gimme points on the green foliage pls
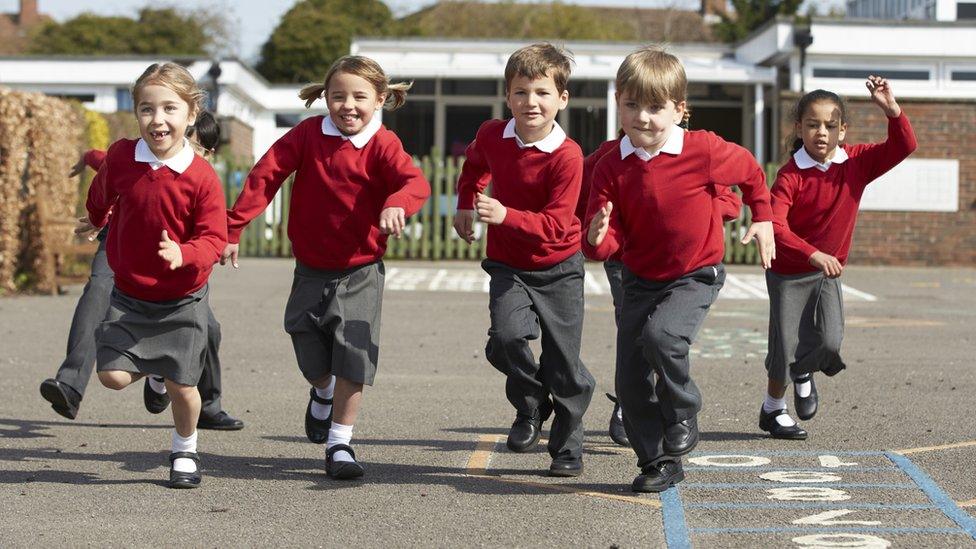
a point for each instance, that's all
(155, 32)
(749, 15)
(314, 33)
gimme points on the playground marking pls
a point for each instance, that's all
(922, 449)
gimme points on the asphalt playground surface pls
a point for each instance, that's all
(890, 460)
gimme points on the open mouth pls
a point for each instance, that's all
(159, 135)
(348, 118)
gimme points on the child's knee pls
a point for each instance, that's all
(114, 379)
(182, 393)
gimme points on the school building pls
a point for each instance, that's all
(923, 212)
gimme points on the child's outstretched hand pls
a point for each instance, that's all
(829, 264)
(170, 252)
(882, 95)
(84, 228)
(78, 167)
(230, 252)
(490, 210)
(599, 225)
(762, 231)
(392, 221)
(464, 225)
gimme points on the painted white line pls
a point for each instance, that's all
(435, 283)
(734, 279)
(391, 273)
(863, 295)
(593, 286)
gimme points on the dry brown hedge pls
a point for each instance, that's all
(40, 139)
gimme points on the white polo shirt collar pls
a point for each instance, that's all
(804, 160)
(547, 144)
(178, 163)
(358, 140)
(673, 145)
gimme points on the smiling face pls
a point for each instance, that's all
(352, 102)
(821, 128)
(648, 126)
(534, 104)
(163, 118)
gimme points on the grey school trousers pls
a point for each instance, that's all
(548, 302)
(806, 324)
(91, 309)
(658, 323)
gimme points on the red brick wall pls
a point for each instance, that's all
(945, 129)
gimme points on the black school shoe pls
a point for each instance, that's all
(155, 403)
(342, 470)
(317, 430)
(806, 407)
(526, 429)
(658, 477)
(768, 423)
(681, 438)
(566, 467)
(220, 422)
(179, 479)
(64, 400)
(617, 432)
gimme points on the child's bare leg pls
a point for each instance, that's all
(118, 379)
(775, 389)
(186, 407)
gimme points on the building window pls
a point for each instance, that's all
(287, 119)
(79, 97)
(588, 126)
(414, 125)
(596, 89)
(123, 99)
(966, 10)
(964, 76)
(421, 86)
(469, 87)
(861, 74)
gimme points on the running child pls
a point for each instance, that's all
(168, 229)
(354, 186)
(815, 200)
(653, 198)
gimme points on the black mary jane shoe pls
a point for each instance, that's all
(566, 467)
(342, 470)
(768, 423)
(220, 422)
(526, 429)
(179, 479)
(806, 407)
(617, 432)
(681, 438)
(155, 403)
(64, 400)
(317, 430)
(658, 477)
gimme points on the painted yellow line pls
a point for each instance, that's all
(478, 462)
(969, 503)
(478, 466)
(922, 449)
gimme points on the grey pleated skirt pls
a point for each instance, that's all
(806, 324)
(166, 339)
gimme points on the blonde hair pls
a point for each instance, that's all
(652, 76)
(367, 69)
(174, 77)
(538, 61)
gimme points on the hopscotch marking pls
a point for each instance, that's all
(819, 498)
(474, 280)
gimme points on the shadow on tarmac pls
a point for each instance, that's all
(21, 428)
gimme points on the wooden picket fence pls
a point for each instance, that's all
(430, 233)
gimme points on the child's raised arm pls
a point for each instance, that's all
(407, 186)
(101, 196)
(473, 180)
(602, 222)
(877, 158)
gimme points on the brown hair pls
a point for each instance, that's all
(367, 69)
(538, 61)
(174, 77)
(652, 76)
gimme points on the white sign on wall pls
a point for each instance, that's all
(916, 185)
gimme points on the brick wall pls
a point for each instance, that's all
(237, 139)
(945, 129)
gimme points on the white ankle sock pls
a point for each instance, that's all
(322, 411)
(771, 404)
(157, 384)
(804, 388)
(339, 434)
(620, 414)
(184, 444)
